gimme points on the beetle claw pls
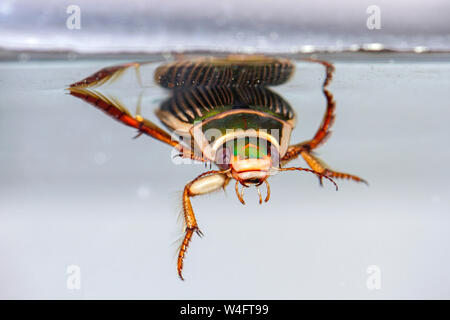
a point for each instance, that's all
(321, 181)
(199, 232)
(138, 135)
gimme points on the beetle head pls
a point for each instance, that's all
(250, 162)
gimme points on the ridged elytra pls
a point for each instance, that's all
(232, 71)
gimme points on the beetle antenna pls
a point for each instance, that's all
(318, 174)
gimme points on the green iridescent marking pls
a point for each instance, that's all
(244, 121)
(250, 148)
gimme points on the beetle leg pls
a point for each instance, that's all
(305, 148)
(324, 130)
(106, 74)
(321, 135)
(118, 111)
(329, 69)
(319, 166)
(204, 183)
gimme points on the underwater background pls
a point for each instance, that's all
(77, 190)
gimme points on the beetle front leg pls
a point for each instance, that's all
(204, 183)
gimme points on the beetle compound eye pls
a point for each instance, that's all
(223, 157)
(275, 156)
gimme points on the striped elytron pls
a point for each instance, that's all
(251, 124)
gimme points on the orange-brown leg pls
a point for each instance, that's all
(319, 166)
(106, 74)
(118, 111)
(206, 182)
(324, 130)
(305, 148)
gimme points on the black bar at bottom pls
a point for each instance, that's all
(229, 309)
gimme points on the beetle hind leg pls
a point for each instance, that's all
(322, 134)
(108, 74)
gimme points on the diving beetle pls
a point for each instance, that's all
(252, 124)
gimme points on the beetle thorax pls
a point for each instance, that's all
(249, 158)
